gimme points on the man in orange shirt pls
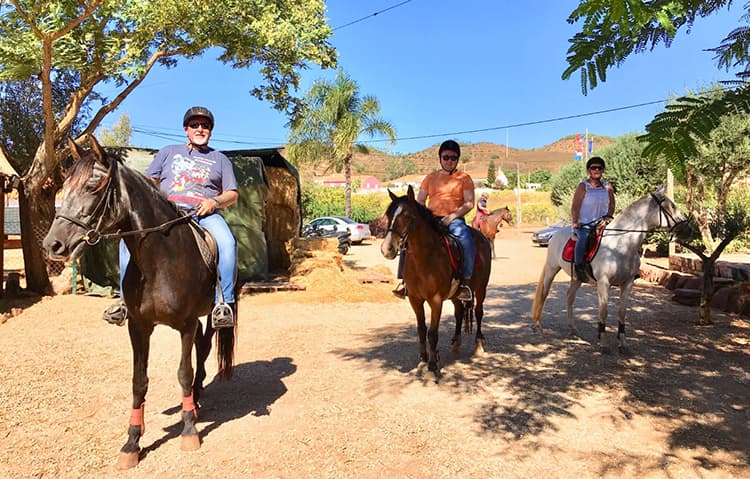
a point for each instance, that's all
(451, 196)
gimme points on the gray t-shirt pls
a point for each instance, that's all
(189, 176)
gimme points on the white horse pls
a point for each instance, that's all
(617, 262)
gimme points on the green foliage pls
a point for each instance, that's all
(564, 185)
(543, 177)
(119, 135)
(538, 213)
(491, 175)
(325, 201)
(632, 175)
(613, 30)
(398, 167)
(326, 130)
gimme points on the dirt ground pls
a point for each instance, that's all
(327, 386)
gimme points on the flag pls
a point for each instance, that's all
(578, 156)
(579, 139)
(591, 145)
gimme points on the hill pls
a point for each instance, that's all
(476, 157)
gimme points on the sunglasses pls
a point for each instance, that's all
(449, 157)
(596, 167)
(203, 124)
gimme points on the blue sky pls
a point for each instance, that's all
(438, 68)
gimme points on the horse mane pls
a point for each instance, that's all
(429, 217)
(82, 169)
(504, 208)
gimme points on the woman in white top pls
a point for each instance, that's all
(593, 199)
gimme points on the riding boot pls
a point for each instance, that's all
(400, 291)
(116, 314)
(581, 273)
(222, 316)
(464, 292)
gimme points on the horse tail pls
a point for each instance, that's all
(225, 340)
(539, 298)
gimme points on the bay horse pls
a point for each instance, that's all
(429, 274)
(490, 223)
(616, 263)
(167, 280)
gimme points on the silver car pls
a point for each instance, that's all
(542, 236)
(359, 231)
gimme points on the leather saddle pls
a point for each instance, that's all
(592, 245)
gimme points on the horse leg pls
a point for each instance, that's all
(492, 246)
(458, 309)
(418, 307)
(602, 289)
(190, 439)
(202, 350)
(623, 307)
(436, 309)
(572, 289)
(478, 314)
(139, 341)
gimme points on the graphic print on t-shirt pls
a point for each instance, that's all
(188, 178)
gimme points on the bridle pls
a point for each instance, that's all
(671, 225)
(93, 234)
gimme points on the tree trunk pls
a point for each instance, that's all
(707, 293)
(348, 185)
(37, 211)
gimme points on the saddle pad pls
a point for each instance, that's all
(569, 248)
(455, 254)
(206, 244)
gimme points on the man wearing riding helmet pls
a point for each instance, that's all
(593, 200)
(451, 196)
(199, 179)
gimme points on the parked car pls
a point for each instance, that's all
(358, 231)
(542, 236)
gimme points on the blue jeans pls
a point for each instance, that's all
(579, 254)
(461, 230)
(226, 243)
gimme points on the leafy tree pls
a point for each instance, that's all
(398, 167)
(564, 184)
(119, 135)
(491, 175)
(326, 131)
(118, 42)
(632, 175)
(542, 177)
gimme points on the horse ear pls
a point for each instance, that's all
(662, 189)
(410, 193)
(96, 148)
(390, 193)
(75, 150)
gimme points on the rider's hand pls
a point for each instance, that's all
(206, 207)
(448, 219)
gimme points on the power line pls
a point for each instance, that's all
(371, 15)
(517, 125)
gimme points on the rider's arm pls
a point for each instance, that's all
(421, 197)
(575, 209)
(611, 191)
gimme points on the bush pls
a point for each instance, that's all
(325, 201)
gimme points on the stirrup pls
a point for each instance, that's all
(465, 293)
(116, 314)
(222, 316)
(400, 291)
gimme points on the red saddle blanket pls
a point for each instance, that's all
(454, 251)
(570, 246)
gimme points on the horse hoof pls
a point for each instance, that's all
(479, 349)
(624, 351)
(603, 350)
(127, 460)
(190, 443)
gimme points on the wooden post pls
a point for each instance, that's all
(3, 181)
(670, 194)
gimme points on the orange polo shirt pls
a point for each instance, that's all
(445, 193)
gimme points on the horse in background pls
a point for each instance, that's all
(430, 275)
(167, 280)
(617, 261)
(490, 224)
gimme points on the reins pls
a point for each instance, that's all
(670, 220)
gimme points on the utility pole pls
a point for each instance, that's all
(518, 195)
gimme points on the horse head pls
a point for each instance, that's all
(399, 220)
(670, 218)
(90, 202)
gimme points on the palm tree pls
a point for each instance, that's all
(334, 117)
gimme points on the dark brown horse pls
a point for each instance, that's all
(167, 281)
(490, 223)
(429, 274)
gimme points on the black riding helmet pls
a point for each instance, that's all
(449, 145)
(198, 111)
(595, 160)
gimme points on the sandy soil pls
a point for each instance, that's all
(327, 386)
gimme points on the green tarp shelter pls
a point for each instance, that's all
(265, 218)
